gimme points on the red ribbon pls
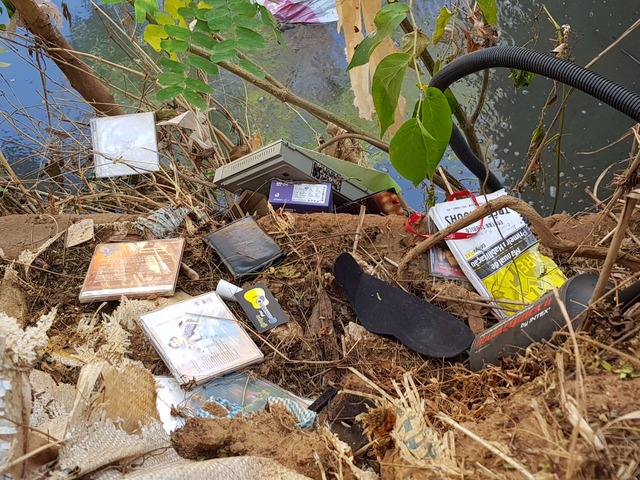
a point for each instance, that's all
(417, 217)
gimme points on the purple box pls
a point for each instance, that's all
(301, 197)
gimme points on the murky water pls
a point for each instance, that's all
(313, 66)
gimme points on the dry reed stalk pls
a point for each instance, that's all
(614, 249)
(496, 451)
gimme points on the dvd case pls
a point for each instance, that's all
(175, 405)
(133, 269)
(199, 339)
(244, 247)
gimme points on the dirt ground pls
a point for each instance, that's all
(527, 408)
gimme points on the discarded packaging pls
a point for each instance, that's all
(499, 254)
(80, 232)
(165, 220)
(301, 197)
(227, 290)
(133, 269)
(302, 11)
(261, 307)
(238, 389)
(540, 320)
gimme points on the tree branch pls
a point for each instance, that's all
(547, 237)
(80, 75)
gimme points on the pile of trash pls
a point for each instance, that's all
(315, 329)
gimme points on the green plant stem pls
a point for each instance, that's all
(558, 149)
(520, 185)
(464, 122)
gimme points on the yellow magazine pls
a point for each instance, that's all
(502, 259)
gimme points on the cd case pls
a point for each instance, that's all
(175, 405)
(199, 339)
(133, 269)
(244, 247)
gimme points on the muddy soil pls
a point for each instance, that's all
(520, 406)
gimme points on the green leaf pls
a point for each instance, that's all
(246, 9)
(218, 18)
(451, 99)
(437, 66)
(152, 6)
(408, 150)
(168, 93)
(169, 79)
(248, 39)
(153, 35)
(217, 13)
(416, 108)
(111, 2)
(204, 40)
(172, 65)
(436, 118)
(4, 64)
(171, 8)
(249, 67)
(164, 19)
(203, 64)
(216, 3)
(248, 22)
(490, 11)
(521, 78)
(443, 18)
(201, 26)
(223, 51)
(187, 12)
(218, 24)
(386, 22)
(174, 46)
(177, 32)
(270, 21)
(194, 99)
(386, 86)
(140, 8)
(198, 86)
(201, 14)
(409, 40)
(9, 7)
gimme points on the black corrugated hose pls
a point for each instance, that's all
(614, 95)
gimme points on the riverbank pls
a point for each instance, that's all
(557, 410)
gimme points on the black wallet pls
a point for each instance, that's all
(244, 247)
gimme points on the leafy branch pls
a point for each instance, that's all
(419, 144)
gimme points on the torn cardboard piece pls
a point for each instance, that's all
(80, 232)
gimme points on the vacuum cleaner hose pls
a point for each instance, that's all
(614, 95)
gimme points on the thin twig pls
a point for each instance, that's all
(614, 249)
